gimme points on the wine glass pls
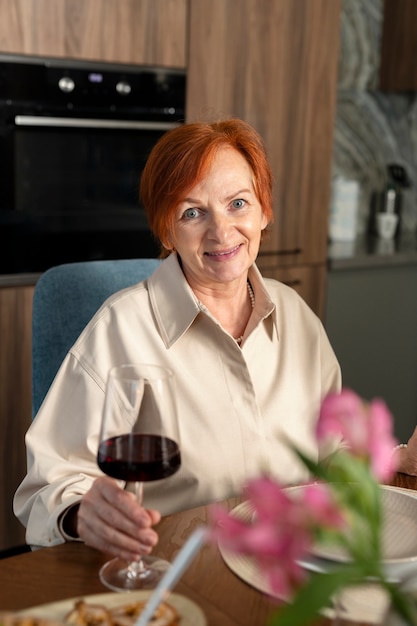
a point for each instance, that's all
(139, 442)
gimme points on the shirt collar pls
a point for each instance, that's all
(265, 308)
(173, 301)
(175, 305)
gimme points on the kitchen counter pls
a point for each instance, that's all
(18, 280)
(367, 252)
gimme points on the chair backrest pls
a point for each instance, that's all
(65, 299)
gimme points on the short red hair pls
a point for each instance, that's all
(182, 156)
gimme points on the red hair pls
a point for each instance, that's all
(182, 156)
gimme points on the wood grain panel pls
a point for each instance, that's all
(274, 64)
(129, 31)
(15, 402)
(398, 68)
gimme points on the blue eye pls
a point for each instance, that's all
(238, 203)
(190, 214)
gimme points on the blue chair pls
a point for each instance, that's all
(65, 299)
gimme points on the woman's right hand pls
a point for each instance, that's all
(111, 520)
(407, 456)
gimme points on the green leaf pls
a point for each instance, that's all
(358, 493)
(403, 603)
(315, 595)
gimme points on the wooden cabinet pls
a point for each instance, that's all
(15, 402)
(274, 64)
(398, 68)
(128, 31)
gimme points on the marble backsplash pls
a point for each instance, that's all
(373, 128)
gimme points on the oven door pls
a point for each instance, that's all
(69, 191)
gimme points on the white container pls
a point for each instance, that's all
(386, 224)
(343, 210)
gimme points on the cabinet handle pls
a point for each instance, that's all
(77, 122)
(294, 251)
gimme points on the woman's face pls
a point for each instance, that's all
(218, 224)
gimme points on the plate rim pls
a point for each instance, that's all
(179, 601)
(320, 560)
(392, 561)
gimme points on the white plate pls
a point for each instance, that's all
(365, 603)
(191, 614)
(399, 531)
(399, 535)
(399, 541)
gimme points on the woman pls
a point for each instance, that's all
(252, 362)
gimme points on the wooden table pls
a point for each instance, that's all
(71, 570)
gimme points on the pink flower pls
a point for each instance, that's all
(343, 414)
(281, 531)
(365, 428)
(269, 499)
(285, 522)
(319, 502)
(381, 441)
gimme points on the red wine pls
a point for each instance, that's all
(137, 457)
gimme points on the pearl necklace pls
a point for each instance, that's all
(251, 295)
(252, 302)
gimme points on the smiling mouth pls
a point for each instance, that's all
(223, 252)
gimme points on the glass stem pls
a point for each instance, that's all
(139, 492)
(137, 568)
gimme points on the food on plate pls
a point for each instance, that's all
(88, 614)
(94, 614)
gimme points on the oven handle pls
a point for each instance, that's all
(74, 122)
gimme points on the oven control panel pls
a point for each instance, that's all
(43, 86)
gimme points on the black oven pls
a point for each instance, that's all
(74, 137)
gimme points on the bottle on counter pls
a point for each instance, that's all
(388, 203)
(385, 213)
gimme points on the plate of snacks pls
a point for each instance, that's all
(108, 609)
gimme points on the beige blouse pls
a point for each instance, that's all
(234, 404)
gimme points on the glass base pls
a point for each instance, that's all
(119, 575)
